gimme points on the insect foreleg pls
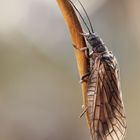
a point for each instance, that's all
(83, 112)
(85, 49)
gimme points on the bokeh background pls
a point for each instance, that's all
(40, 97)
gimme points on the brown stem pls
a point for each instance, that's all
(79, 41)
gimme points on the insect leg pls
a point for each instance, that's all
(83, 112)
(84, 77)
(85, 49)
(80, 49)
(88, 55)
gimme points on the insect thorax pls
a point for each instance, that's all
(96, 43)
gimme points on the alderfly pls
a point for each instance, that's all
(105, 105)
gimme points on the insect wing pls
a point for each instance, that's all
(109, 121)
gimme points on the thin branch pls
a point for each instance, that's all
(78, 40)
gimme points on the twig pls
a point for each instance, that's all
(78, 40)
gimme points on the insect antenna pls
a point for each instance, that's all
(86, 15)
(80, 15)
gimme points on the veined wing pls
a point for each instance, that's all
(109, 121)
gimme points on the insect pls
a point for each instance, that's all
(105, 105)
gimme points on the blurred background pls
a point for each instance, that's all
(40, 97)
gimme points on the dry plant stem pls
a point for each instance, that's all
(78, 40)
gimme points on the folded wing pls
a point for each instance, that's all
(108, 121)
